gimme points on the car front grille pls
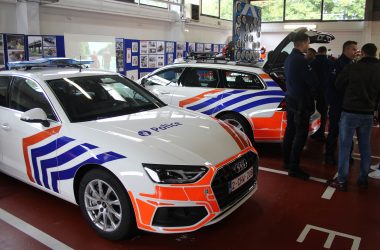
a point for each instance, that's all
(222, 180)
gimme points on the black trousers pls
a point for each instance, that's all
(298, 119)
(332, 137)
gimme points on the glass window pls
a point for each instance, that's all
(165, 78)
(196, 77)
(153, 3)
(5, 81)
(95, 97)
(303, 9)
(226, 9)
(27, 94)
(210, 8)
(272, 10)
(343, 9)
(239, 80)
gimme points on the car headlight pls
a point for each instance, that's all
(174, 174)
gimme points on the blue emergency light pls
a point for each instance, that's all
(49, 62)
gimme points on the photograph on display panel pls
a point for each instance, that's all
(133, 74)
(2, 58)
(144, 61)
(135, 47)
(35, 47)
(160, 47)
(169, 47)
(191, 47)
(135, 61)
(152, 47)
(50, 52)
(152, 62)
(16, 47)
(160, 61)
(143, 47)
(129, 55)
(49, 41)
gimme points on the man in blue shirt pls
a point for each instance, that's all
(300, 84)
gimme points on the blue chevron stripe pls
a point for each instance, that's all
(272, 84)
(62, 159)
(69, 173)
(214, 100)
(44, 150)
(242, 98)
(258, 103)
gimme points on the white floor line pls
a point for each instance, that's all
(329, 192)
(33, 232)
(273, 170)
(372, 156)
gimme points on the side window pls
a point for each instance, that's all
(5, 81)
(27, 94)
(165, 78)
(200, 77)
(239, 80)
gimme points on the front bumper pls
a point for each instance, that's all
(185, 208)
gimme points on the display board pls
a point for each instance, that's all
(246, 32)
(132, 54)
(2, 55)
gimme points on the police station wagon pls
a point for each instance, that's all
(129, 161)
(249, 98)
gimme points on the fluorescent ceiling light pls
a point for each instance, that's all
(296, 26)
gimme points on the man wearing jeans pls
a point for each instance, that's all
(359, 84)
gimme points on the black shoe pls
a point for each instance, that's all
(362, 184)
(298, 173)
(341, 186)
(351, 161)
(318, 137)
(285, 166)
(330, 161)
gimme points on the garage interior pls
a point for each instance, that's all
(285, 213)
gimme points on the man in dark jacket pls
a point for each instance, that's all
(321, 65)
(359, 85)
(334, 100)
(300, 83)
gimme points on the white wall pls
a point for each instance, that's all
(8, 21)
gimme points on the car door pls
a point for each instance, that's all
(163, 83)
(5, 82)
(250, 97)
(27, 144)
(198, 89)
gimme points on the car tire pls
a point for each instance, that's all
(240, 123)
(106, 206)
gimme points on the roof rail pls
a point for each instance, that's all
(49, 62)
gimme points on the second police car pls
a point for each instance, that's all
(130, 161)
(249, 98)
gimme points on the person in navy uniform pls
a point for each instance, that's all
(301, 83)
(334, 100)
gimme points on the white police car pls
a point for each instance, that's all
(101, 141)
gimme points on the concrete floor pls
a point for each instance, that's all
(278, 215)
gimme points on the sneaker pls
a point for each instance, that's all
(375, 174)
(375, 167)
(341, 186)
(299, 174)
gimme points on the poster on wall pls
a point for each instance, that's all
(2, 59)
(216, 48)
(160, 61)
(143, 47)
(35, 47)
(133, 74)
(49, 45)
(143, 61)
(191, 47)
(180, 48)
(160, 47)
(207, 47)
(152, 61)
(200, 47)
(170, 58)
(169, 47)
(119, 46)
(50, 52)
(152, 47)
(135, 47)
(135, 61)
(129, 55)
(16, 47)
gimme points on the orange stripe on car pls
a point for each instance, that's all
(232, 133)
(265, 76)
(28, 141)
(138, 215)
(198, 97)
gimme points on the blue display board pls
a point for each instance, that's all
(132, 58)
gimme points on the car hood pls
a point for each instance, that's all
(167, 135)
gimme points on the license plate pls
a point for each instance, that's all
(240, 180)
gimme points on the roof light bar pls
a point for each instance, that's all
(49, 62)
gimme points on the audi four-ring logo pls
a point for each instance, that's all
(240, 165)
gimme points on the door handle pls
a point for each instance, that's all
(5, 126)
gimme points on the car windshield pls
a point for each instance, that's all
(90, 98)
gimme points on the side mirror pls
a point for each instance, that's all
(143, 82)
(35, 115)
